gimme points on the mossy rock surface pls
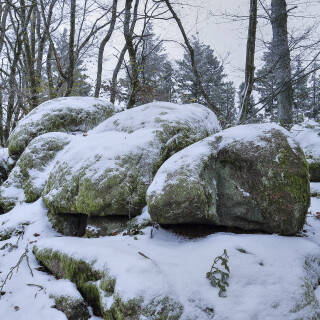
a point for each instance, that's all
(313, 157)
(28, 178)
(259, 181)
(108, 172)
(97, 285)
(184, 189)
(69, 114)
(74, 309)
(103, 174)
(314, 170)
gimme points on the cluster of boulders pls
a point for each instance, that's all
(85, 160)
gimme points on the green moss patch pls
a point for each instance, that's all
(96, 285)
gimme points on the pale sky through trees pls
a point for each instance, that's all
(223, 24)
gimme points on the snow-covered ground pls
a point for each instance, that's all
(268, 273)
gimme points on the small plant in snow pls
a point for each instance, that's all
(219, 275)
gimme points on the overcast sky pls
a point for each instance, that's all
(215, 25)
(227, 34)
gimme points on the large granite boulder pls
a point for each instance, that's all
(28, 178)
(108, 172)
(254, 177)
(69, 114)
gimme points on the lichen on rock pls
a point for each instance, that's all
(68, 114)
(259, 181)
(28, 178)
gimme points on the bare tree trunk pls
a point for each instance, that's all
(46, 23)
(49, 73)
(17, 51)
(42, 40)
(71, 67)
(280, 49)
(4, 14)
(102, 46)
(29, 45)
(128, 35)
(210, 103)
(113, 89)
(249, 73)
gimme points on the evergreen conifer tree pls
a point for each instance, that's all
(265, 85)
(221, 92)
(314, 96)
(155, 72)
(301, 102)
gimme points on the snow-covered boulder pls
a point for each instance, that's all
(108, 172)
(29, 177)
(3, 164)
(103, 174)
(69, 114)
(308, 135)
(176, 126)
(254, 177)
(99, 289)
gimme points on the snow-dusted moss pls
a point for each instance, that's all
(28, 178)
(97, 285)
(69, 114)
(103, 174)
(74, 309)
(314, 169)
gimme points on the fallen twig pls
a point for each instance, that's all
(141, 254)
(35, 285)
(10, 273)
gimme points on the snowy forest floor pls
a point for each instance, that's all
(268, 273)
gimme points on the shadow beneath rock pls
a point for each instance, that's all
(106, 226)
(69, 224)
(193, 231)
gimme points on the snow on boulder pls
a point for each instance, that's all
(3, 164)
(254, 177)
(102, 174)
(308, 135)
(108, 172)
(28, 178)
(177, 126)
(69, 114)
